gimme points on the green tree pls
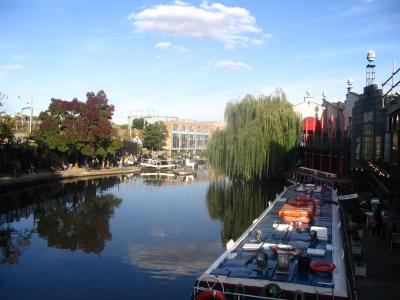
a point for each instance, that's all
(7, 124)
(2, 97)
(138, 123)
(154, 136)
(258, 135)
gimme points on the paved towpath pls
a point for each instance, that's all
(383, 269)
(7, 180)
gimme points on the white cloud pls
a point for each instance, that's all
(230, 65)
(163, 45)
(233, 26)
(157, 56)
(168, 45)
(181, 3)
(14, 67)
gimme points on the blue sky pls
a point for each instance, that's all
(187, 59)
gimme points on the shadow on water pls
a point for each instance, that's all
(238, 203)
(69, 216)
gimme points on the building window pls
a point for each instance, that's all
(367, 141)
(198, 129)
(350, 128)
(184, 141)
(395, 146)
(191, 141)
(191, 129)
(175, 140)
(183, 128)
(200, 141)
(175, 127)
(358, 148)
(205, 129)
(205, 140)
(378, 146)
(386, 150)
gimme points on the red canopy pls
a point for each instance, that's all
(311, 124)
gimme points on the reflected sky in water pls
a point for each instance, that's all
(121, 237)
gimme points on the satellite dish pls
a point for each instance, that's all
(308, 92)
(324, 94)
(350, 81)
(371, 55)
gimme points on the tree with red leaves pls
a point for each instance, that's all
(72, 127)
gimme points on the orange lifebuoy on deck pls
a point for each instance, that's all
(322, 267)
(210, 294)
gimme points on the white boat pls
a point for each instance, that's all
(157, 174)
(157, 164)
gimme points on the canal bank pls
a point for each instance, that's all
(10, 184)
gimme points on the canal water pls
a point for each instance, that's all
(122, 237)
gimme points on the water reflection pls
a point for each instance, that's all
(82, 224)
(171, 260)
(238, 203)
(159, 178)
(68, 215)
(12, 242)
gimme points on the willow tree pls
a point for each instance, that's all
(259, 133)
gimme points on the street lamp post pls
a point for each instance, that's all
(30, 107)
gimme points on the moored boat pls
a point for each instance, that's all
(157, 164)
(294, 250)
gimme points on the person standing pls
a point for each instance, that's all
(17, 168)
(377, 222)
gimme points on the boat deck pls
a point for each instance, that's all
(242, 265)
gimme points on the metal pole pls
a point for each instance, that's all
(130, 125)
(30, 107)
(393, 72)
(342, 147)
(30, 114)
(321, 141)
(331, 143)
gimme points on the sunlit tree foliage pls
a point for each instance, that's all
(154, 136)
(259, 132)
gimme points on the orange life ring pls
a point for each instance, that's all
(210, 294)
(322, 267)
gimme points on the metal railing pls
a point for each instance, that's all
(351, 281)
